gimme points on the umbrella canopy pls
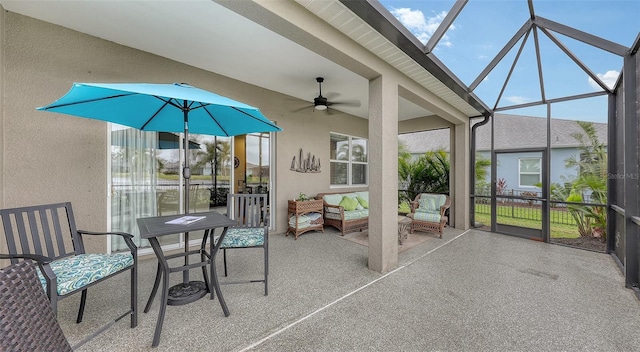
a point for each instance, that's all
(176, 107)
(163, 108)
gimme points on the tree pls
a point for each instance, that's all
(480, 169)
(215, 154)
(427, 174)
(591, 165)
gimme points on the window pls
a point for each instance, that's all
(349, 161)
(530, 172)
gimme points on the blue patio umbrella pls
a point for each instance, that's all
(176, 107)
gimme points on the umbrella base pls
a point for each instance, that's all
(186, 293)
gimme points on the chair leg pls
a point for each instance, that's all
(134, 296)
(83, 301)
(224, 258)
(266, 271)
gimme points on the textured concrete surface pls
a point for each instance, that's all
(471, 291)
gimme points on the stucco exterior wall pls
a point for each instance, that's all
(49, 157)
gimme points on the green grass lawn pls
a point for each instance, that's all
(557, 230)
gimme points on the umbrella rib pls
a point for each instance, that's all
(253, 117)
(88, 101)
(215, 121)
(166, 102)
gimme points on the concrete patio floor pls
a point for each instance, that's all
(469, 291)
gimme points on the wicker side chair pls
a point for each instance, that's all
(428, 213)
(27, 322)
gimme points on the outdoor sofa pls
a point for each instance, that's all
(347, 211)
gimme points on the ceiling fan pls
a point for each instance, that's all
(322, 103)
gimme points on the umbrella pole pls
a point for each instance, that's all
(186, 174)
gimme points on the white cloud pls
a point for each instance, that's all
(609, 78)
(515, 99)
(422, 27)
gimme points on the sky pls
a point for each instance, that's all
(483, 28)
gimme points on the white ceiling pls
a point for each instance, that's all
(204, 34)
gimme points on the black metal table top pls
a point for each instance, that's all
(157, 225)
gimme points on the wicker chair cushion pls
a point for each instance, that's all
(238, 237)
(332, 199)
(303, 221)
(429, 202)
(428, 216)
(364, 195)
(356, 214)
(76, 272)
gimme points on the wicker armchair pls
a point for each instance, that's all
(428, 213)
(27, 322)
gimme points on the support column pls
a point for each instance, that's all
(383, 174)
(631, 147)
(459, 178)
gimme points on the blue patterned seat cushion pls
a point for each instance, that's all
(76, 272)
(238, 237)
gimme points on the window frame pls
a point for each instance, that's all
(349, 161)
(520, 172)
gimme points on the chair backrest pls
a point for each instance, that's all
(249, 210)
(27, 322)
(48, 230)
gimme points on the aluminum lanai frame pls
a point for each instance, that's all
(381, 20)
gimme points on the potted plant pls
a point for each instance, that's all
(302, 197)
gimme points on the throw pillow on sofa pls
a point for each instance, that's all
(363, 202)
(348, 203)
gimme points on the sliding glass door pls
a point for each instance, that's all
(146, 176)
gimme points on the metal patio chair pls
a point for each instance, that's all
(47, 234)
(251, 211)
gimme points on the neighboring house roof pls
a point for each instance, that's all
(512, 132)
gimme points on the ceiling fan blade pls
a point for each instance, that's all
(354, 103)
(302, 108)
(331, 95)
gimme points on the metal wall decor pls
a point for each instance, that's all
(307, 165)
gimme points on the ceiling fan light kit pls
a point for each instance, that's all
(322, 103)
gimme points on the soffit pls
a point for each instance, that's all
(337, 15)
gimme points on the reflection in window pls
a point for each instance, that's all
(133, 181)
(257, 159)
(530, 172)
(349, 160)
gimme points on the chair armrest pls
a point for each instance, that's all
(94, 233)
(41, 259)
(327, 206)
(126, 236)
(445, 206)
(414, 206)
